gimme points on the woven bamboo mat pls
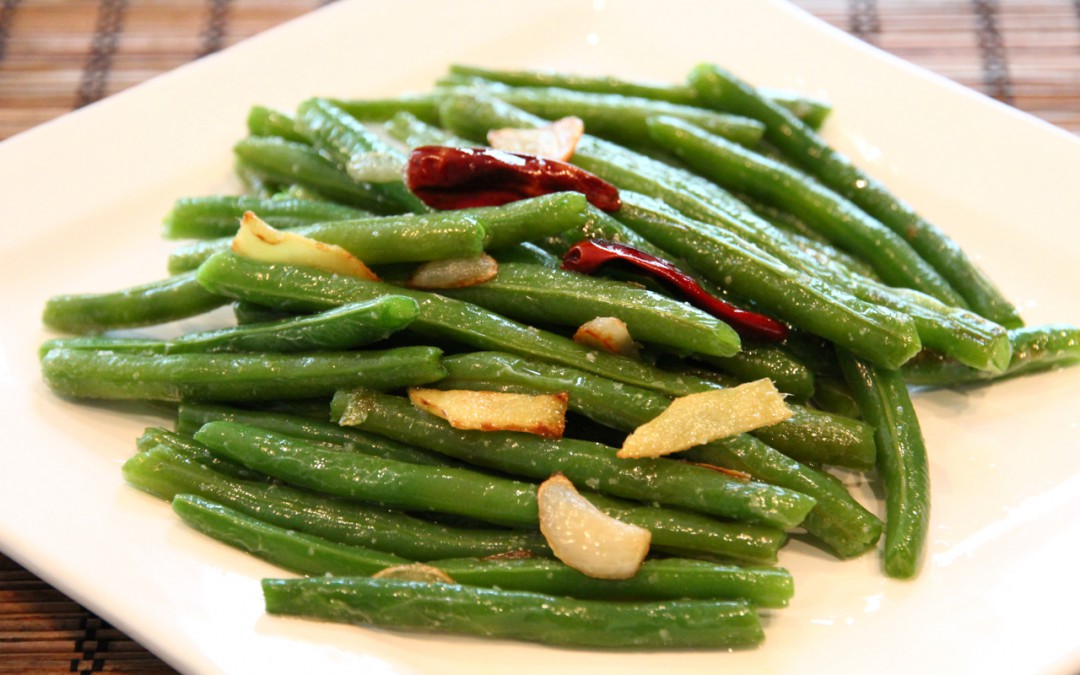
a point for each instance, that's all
(57, 55)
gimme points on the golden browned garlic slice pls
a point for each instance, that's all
(454, 272)
(259, 241)
(556, 140)
(609, 334)
(584, 537)
(700, 418)
(541, 414)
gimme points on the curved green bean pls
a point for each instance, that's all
(838, 219)
(165, 472)
(177, 297)
(722, 90)
(1034, 349)
(277, 160)
(264, 121)
(901, 461)
(410, 487)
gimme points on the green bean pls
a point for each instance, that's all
(152, 437)
(306, 289)
(192, 416)
(540, 295)
(663, 579)
(430, 236)
(131, 345)
(518, 615)
(277, 160)
(263, 121)
(833, 395)
(658, 579)
(901, 461)
(756, 361)
(376, 241)
(529, 219)
(686, 533)
(589, 464)
(345, 327)
(219, 216)
(895, 261)
(249, 312)
(295, 551)
(343, 138)
(811, 110)
(85, 373)
(164, 472)
(424, 107)
(171, 299)
(413, 132)
(622, 119)
(1034, 349)
(528, 253)
(722, 90)
(411, 487)
(255, 183)
(836, 519)
(815, 437)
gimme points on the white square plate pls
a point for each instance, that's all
(82, 196)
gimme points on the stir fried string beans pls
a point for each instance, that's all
(294, 439)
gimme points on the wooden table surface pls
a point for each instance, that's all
(57, 55)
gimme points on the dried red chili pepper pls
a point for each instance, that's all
(458, 178)
(589, 255)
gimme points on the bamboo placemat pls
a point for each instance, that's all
(57, 55)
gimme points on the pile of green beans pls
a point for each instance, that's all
(293, 440)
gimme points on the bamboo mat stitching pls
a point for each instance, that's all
(7, 16)
(995, 63)
(864, 21)
(213, 35)
(95, 75)
(88, 646)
